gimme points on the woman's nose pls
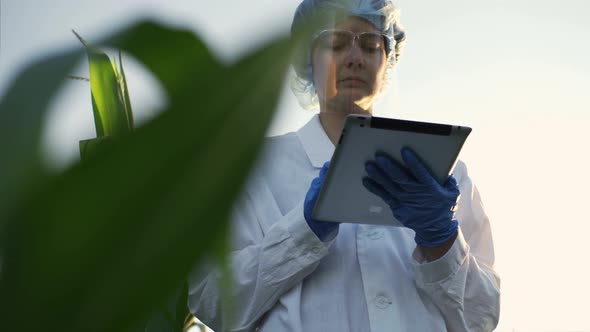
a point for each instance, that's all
(354, 56)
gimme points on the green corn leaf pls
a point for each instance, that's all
(99, 247)
(92, 146)
(128, 111)
(100, 131)
(106, 94)
(114, 64)
(107, 99)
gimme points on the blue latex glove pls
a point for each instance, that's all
(416, 199)
(321, 228)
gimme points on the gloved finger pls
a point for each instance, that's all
(324, 169)
(451, 184)
(316, 184)
(393, 169)
(311, 197)
(378, 190)
(403, 215)
(379, 176)
(415, 166)
(451, 189)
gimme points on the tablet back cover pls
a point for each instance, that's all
(343, 198)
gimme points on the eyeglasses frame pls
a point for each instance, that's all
(390, 41)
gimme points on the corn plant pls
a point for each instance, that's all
(103, 244)
(111, 105)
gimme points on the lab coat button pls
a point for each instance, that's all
(382, 302)
(315, 250)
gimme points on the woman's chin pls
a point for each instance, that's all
(353, 98)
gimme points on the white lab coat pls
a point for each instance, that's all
(366, 278)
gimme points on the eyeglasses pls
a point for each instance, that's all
(343, 40)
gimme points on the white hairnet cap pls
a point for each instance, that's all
(381, 13)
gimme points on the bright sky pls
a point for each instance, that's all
(515, 71)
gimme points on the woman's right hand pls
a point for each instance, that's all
(320, 228)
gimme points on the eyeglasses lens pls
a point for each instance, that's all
(342, 40)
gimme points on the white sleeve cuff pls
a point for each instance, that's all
(442, 268)
(304, 239)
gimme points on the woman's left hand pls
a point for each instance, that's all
(416, 199)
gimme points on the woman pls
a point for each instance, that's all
(292, 273)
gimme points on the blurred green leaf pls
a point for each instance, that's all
(181, 307)
(171, 315)
(171, 56)
(22, 111)
(99, 246)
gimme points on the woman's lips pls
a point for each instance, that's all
(353, 80)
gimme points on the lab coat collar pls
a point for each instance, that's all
(315, 141)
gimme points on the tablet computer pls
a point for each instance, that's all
(343, 198)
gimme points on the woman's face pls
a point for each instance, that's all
(348, 75)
